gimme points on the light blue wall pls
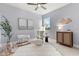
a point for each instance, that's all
(13, 13)
(70, 11)
(0, 35)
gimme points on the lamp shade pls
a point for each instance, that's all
(42, 28)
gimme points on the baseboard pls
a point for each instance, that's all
(75, 45)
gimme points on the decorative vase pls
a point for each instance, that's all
(8, 50)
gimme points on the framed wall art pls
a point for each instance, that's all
(25, 24)
(46, 22)
(30, 24)
(22, 23)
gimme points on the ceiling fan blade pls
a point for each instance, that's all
(42, 3)
(36, 8)
(43, 7)
(32, 3)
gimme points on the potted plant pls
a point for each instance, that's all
(7, 32)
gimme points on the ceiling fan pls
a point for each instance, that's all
(38, 5)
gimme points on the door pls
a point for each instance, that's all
(60, 37)
(67, 38)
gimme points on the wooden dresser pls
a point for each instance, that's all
(65, 38)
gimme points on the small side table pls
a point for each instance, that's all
(46, 38)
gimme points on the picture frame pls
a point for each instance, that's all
(46, 23)
(22, 24)
(25, 24)
(30, 24)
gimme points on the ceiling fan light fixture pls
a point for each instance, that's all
(39, 5)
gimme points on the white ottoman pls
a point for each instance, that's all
(37, 42)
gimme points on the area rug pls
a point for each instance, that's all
(32, 50)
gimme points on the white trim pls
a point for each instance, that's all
(75, 45)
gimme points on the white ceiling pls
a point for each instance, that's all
(50, 7)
